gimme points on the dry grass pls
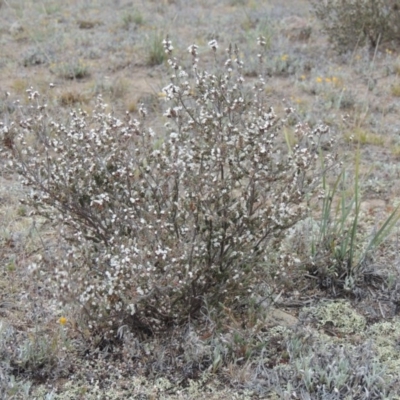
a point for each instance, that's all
(86, 50)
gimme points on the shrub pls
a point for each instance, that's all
(158, 225)
(349, 23)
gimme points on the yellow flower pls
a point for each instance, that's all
(62, 321)
(284, 57)
(318, 80)
(302, 77)
(337, 81)
(328, 80)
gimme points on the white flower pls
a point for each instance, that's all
(167, 46)
(213, 44)
(261, 41)
(192, 49)
(131, 308)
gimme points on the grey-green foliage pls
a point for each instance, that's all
(10, 386)
(356, 22)
(328, 370)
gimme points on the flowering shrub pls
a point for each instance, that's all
(158, 224)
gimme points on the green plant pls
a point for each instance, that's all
(156, 225)
(362, 136)
(238, 2)
(71, 70)
(114, 89)
(70, 98)
(282, 65)
(155, 50)
(345, 370)
(338, 254)
(38, 352)
(129, 19)
(350, 23)
(49, 7)
(35, 56)
(395, 90)
(39, 355)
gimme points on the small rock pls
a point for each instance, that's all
(282, 318)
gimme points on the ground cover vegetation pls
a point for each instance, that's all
(202, 208)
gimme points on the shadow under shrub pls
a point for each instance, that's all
(156, 225)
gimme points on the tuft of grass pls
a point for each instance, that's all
(339, 231)
(22, 211)
(35, 56)
(347, 100)
(132, 106)
(395, 150)
(19, 85)
(86, 24)
(290, 137)
(155, 50)
(134, 18)
(364, 137)
(235, 3)
(71, 70)
(114, 89)
(71, 97)
(397, 67)
(395, 90)
(50, 8)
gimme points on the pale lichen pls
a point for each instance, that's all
(340, 316)
(385, 337)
